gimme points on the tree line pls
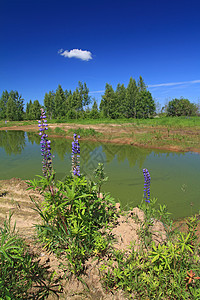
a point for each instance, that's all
(133, 101)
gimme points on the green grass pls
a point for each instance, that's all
(84, 132)
(17, 123)
(21, 275)
(158, 121)
(177, 122)
(59, 131)
(157, 271)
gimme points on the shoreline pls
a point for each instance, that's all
(145, 137)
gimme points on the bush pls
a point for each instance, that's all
(168, 270)
(19, 270)
(72, 216)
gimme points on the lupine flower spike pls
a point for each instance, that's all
(76, 155)
(45, 146)
(147, 182)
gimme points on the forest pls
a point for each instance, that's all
(133, 101)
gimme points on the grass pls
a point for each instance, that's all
(76, 226)
(176, 122)
(180, 133)
(17, 123)
(59, 131)
(84, 132)
(21, 275)
(166, 270)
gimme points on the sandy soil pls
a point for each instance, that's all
(15, 198)
(128, 134)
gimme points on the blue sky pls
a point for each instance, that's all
(46, 43)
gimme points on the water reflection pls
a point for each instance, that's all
(175, 176)
(91, 153)
(12, 141)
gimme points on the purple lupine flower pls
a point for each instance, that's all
(45, 145)
(76, 155)
(147, 182)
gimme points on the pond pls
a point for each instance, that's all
(174, 176)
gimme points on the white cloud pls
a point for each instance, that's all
(173, 83)
(77, 53)
(97, 92)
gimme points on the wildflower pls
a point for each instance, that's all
(76, 155)
(45, 145)
(147, 181)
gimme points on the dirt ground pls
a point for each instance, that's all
(15, 198)
(131, 134)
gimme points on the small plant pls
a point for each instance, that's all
(100, 177)
(73, 214)
(169, 270)
(20, 270)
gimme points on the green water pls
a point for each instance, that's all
(174, 176)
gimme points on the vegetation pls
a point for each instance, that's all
(134, 101)
(72, 215)
(11, 106)
(181, 107)
(20, 270)
(76, 223)
(85, 132)
(166, 270)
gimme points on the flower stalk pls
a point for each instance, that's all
(45, 146)
(76, 155)
(147, 182)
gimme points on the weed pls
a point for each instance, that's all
(19, 269)
(59, 131)
(84, 132)
(72, 215)
(164, 271)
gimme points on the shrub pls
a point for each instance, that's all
(19, 269)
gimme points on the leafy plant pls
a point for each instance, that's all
(165, 271)
(72, 215)
(20, 270)
(100, 177)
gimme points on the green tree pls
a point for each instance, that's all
(11, 109)
(59, 102)
(49, 104)
(145, 106)
(3, 104)
(131, 99)
(141, 85)
(108, 102)
(76, 101)
(35, 110)
(120, 106)
(94, 113)
(17, 104)
(20, 105)
(84, 94)
(28, 110)
(181, 107)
